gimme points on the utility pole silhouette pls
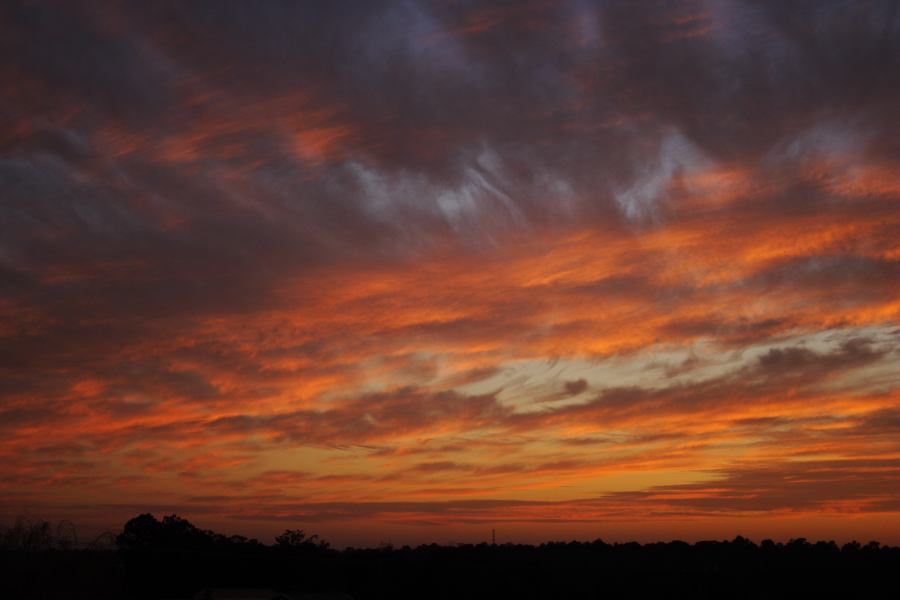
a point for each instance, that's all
(493, 537)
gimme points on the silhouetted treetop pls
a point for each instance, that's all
(297, 540)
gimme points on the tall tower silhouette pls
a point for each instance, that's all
(493, 537)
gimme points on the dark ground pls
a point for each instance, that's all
(173, 559)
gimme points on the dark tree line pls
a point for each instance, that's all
(171, 558)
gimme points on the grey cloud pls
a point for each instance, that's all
(787, 486)
(575, 387)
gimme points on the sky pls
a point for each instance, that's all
(413, 271)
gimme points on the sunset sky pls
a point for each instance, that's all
(413, 271)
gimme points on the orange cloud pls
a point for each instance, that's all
(295, 266)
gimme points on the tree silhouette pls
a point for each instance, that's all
(172, 558)
(296, 539)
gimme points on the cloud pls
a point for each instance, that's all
(322, 247)
(573, 388)
(844, 485)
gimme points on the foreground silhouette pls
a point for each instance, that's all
(171, 558)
